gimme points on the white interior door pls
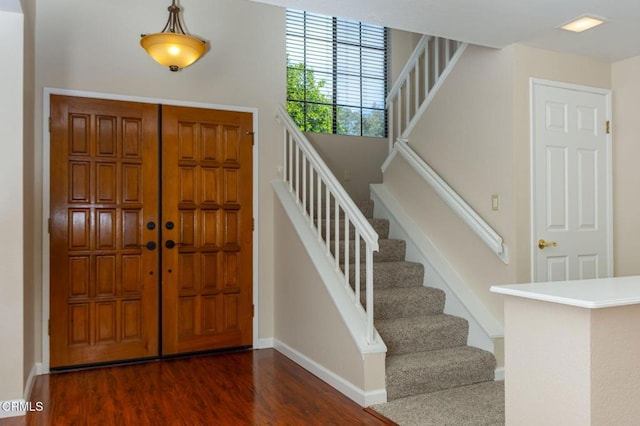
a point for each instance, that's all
(571, 178)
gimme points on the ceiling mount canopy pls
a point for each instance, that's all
(172, 47)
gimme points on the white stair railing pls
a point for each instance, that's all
(419, 80)
(428, 66)
(324, 202)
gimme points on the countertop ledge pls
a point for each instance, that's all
(591, 294)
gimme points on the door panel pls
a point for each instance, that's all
(207, 197)
(109, 248)
(104, 174)
(571, 188)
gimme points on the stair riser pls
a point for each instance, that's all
(421, 305)
(424, 338)
(438, 371)
(388, 275)
(434, 381)
(390, 251)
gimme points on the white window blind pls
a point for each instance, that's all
(336, 74)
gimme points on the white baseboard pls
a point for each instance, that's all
(13, 408)
(499, 374)
(19, 407)
(264, 343)
(36, 370)
(343, 386)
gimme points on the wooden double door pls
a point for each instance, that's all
(150, 230)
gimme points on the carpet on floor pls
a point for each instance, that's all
(481, 404)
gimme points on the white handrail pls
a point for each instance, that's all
(490, 237)
(324, 189)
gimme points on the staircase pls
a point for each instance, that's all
(427, 355)
(426, 348)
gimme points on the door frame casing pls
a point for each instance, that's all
(46, 187)
(533, 82)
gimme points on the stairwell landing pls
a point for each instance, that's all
(432, 376)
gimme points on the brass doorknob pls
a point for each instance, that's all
(542, 244)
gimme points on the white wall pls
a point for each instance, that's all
(626, 173)
(475, 134)
(11, 208)
(466, 135)
(94, 46)
(355, 161)
(308, 321)
(32, 228)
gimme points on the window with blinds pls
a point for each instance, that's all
(336, 74)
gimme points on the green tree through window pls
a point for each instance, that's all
(336, 74)
(315, 114)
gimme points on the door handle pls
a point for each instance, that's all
(151, 245)
(542, 244)
(170, 244)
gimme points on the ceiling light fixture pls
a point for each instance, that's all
(582, 23)
(172, 47)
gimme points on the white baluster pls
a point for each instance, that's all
(327, 225)
(346, 250)
(304, 184)
(356, 264)
(319, 218)
(427, 59)
(407, 101)
(336, 235)
(285, 168)
(311, 195)
(416, 92)
(297, 168)
(290, 165)
(390, 126)
(369, 294)
(436, 59)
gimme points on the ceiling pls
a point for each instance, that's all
(498, 23)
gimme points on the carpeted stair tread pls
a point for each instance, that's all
(423, 372)
(389, 251)
(421, 334)
(381, 226)
(391, 274)
(481, 404)
(407, 302)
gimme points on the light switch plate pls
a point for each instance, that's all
(495, 202)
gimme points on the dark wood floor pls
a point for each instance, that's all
(261, 387)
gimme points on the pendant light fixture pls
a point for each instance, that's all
(172, 47)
